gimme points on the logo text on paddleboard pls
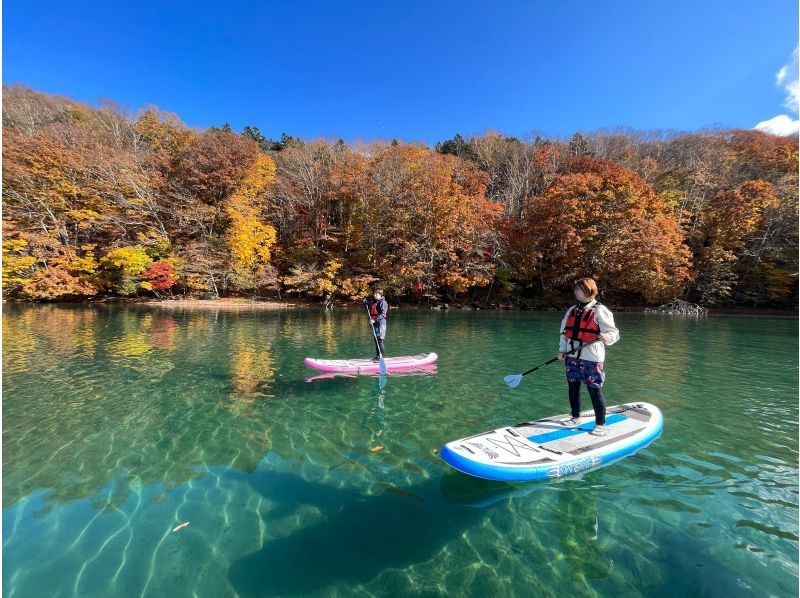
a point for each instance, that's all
(489, 452)
(568, 468)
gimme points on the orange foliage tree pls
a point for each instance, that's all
(739, 229)
(428, 219)
(599, 219)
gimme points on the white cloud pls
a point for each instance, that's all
(780, 125)
(787, 78)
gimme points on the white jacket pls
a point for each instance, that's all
(597, 352)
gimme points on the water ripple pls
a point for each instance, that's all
(121, 423)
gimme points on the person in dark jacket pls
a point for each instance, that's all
(378, 310)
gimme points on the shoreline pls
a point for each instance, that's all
(239, 303)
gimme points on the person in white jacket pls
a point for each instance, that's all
(584, 323)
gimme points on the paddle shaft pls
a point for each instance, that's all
(549, 361)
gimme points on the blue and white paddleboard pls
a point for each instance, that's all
(545, 448)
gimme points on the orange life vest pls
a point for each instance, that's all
(373, 309)
(581, 324)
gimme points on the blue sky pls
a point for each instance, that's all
(413, 70)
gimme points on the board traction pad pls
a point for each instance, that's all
(621, 423)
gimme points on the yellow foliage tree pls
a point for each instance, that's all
(130, 261)
(162, 130)
(249, 237)
(124, 264)
(17, 267)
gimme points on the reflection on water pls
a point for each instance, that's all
(375, 420)
(122, 422)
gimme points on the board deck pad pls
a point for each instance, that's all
(545, 448)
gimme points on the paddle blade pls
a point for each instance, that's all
(513, 380)
(382, 381)
(382, 367)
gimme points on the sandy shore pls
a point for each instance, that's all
(231, 303)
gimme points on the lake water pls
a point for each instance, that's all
(121, 423)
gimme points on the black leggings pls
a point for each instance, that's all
(380, 351)
(598, 402)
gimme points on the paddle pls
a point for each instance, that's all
(514, 379)
(382, 363)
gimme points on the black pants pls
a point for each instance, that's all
(598, 402)
(380, 351)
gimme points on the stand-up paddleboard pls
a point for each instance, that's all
(425, 370)
(545, 449)
(365, 366)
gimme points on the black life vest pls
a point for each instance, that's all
(581, 324)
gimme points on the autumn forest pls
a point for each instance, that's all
(103, 202)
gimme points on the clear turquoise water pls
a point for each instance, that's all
(121, 423)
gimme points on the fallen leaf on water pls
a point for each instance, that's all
(375, 449)
(176, 528)
(436, 451)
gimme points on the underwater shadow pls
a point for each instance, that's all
(361, 535)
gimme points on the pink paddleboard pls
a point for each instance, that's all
(425, 370)
(366, 366)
